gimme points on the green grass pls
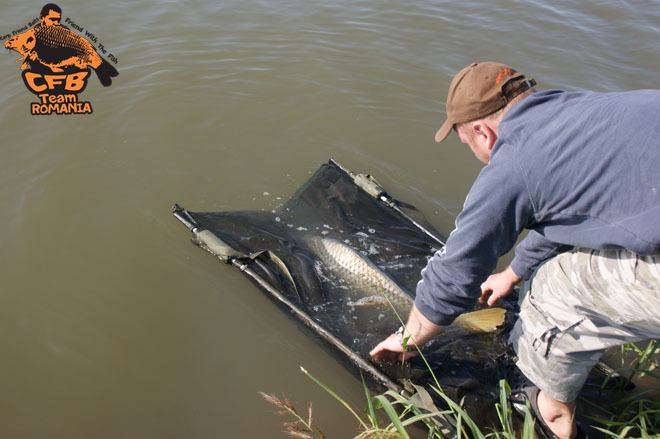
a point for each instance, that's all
(638, 414)
(390, 415)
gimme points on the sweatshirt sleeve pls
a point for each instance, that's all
(534, 250)
(495, 212)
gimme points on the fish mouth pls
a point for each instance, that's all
(10, 49)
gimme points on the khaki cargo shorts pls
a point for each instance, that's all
(575, 307)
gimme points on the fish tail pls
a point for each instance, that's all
(485, 320)
(105, 72)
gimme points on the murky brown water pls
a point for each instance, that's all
(111, 323)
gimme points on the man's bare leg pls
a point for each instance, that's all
(557, 415)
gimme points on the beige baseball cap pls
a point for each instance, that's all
(479, 90)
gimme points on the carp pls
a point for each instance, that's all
(59, 48)
(363, 275)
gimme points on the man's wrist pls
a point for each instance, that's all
(404, 340)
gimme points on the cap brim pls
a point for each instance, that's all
(444, 131)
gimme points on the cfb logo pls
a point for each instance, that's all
(57, 62)
(72, 83)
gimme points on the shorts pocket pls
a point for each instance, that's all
(546, 324)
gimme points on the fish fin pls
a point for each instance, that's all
(484, 320)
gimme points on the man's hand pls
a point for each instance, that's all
(499, 285)
(391, 350)
(418, 331)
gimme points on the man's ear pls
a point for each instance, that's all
(485, 133)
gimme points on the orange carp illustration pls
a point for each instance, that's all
(59, 49)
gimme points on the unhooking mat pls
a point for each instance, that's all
(333, 255)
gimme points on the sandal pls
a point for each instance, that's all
(527, 399)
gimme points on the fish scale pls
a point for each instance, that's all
(361, 273)
(56, 38)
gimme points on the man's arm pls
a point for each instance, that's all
(417, 331)
(486, 228)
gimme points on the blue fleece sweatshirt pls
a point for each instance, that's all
(576, 169)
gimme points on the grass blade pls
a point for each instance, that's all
(337, 397)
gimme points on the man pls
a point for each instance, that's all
(581, 172)
(51, 15)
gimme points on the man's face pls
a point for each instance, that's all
(53, 18)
